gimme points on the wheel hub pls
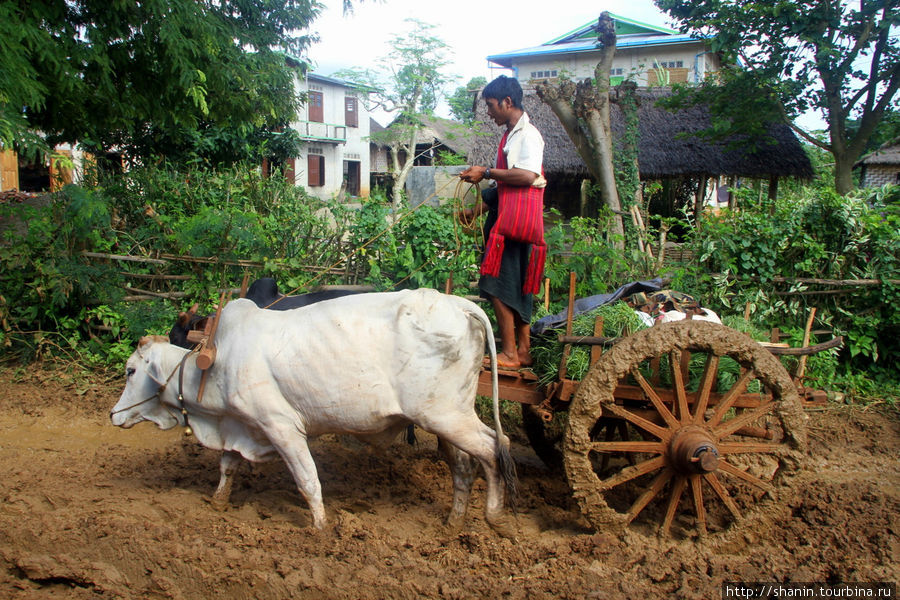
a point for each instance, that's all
(693, 450)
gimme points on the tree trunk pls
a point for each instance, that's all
(843, 173)
(401, 172)
(699, 200)
(583, 111)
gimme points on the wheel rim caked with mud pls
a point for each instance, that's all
(695, 444)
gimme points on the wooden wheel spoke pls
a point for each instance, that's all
(752, 479)
(752, 448)
(732, 425)
(650, 493)
(678, 385)
(641, 422)
(674, 499)
(658, 404)
(634, 471)
(699, 510)
(695, 449)
(710, 372)
(723, 494)
(628, 446)
(729, 398)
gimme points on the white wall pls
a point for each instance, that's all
(355, 146)
(635, 62)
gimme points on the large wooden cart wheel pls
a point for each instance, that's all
(708, 440)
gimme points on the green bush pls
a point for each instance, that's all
(54, 299)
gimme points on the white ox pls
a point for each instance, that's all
(366, 365)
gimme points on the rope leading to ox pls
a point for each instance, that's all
(162, 388)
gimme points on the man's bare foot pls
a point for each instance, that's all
(525, 358)
(505, 361)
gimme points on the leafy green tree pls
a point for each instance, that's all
(462, 100)
(186, 79)
(410, 85)
(839, 58)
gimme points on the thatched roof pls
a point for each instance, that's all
(454, 135)
(662, 152)
(889, 155)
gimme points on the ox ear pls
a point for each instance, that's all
(149, 339)
(193, 310)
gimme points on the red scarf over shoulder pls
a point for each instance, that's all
(520, 217)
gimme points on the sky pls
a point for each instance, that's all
(473, 29)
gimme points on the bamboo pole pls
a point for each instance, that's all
(859, 282)
(801, 368)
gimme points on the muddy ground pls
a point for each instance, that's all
(88, 510)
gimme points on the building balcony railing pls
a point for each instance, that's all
(322, 132)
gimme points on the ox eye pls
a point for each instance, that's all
(129, 371)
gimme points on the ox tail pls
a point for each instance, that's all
(505, 463)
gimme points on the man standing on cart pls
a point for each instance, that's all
(513, 261)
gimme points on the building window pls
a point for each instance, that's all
(672, 64)
(544, 74)
(316, 109)
(351, 112)
(315, 170)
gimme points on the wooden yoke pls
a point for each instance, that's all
(207, 355)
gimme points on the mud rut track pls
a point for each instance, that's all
(88, 511)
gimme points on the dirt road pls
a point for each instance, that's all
(89, 510)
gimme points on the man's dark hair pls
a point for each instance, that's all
(502, 87)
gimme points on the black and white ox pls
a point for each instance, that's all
(366, 365)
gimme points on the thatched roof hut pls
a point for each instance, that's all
(667, 150)
(881, 167)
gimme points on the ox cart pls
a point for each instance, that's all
(684, 428)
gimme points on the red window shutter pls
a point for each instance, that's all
(351, 113)
(316, 170)
(316, 110)
(313, 172)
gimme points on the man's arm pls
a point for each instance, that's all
(514, 176)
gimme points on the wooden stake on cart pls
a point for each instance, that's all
(801, 368)
(568, 347)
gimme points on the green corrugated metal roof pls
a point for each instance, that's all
(624, 26)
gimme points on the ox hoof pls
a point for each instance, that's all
(455, 522)
(218, 504)
(505, 527)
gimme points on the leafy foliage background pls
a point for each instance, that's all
(55, 301)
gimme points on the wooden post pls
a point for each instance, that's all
(597, 349)
(801, 368)
(547, 294)
(700, 199)
(568, 347)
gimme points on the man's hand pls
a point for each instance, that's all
(473, 174)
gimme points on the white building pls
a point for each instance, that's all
(646, 54)
(334, 127)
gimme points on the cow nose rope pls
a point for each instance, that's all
(160, 389)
